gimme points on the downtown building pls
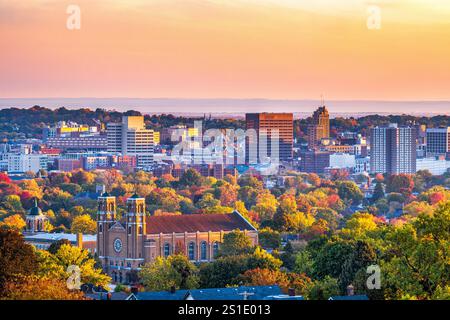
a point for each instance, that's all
(267, 123)
(438, 141)
(319, 128)
(131, 138)
(393, 149)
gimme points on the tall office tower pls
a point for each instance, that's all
(438, 141)
(261, 122)
(319, 128)
(393, 149)
(131, 138)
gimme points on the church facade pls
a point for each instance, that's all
(124, 245)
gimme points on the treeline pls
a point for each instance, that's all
(27, 123)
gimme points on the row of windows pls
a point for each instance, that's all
(191, 250)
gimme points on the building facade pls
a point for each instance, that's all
(393, 149)
(123, 246)
(319, 128)
(131, 138)
(438, 141)
(266, 123)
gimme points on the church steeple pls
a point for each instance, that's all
(35, 219)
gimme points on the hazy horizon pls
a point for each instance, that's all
(234, 106)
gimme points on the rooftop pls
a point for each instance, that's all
(50, 237)
(197, 222)
(237, 293)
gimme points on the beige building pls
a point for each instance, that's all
(124, 246)
(131, 138)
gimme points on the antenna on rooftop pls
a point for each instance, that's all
(322, 100)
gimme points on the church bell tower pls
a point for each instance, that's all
(135, 225)
(106, 216)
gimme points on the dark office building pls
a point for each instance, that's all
(267, 122)
(314, 161)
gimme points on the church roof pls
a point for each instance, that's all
(35, 210)
(197, 222)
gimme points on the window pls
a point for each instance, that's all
(100, 228)
(166, 250)
(191, 251)
(140, 229)
(215, 249)
(129, 230)
(203, 250)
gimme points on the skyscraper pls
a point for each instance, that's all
(438, 141)
(319, 128)
(131, 138)
(393, 149)
(267, 122)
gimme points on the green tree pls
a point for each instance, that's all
(323, 289)
(378, 193)
(350, 192)
(164, 273)
(190, 177)
(235, 243)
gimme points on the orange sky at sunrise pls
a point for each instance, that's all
(275, 49)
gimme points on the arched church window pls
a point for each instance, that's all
(191, 251)
(166, 250)
(215, 249)
(203, 250)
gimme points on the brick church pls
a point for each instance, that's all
(123, 246)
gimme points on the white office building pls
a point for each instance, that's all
(131, 138)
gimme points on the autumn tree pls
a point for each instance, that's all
(16, 257)
(83, 224)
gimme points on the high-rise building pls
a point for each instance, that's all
(319, 128)
(131, 138)
(393, 149)
(260, 122)
(438, 141)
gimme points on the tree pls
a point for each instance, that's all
(40, 288)
(350, 192)
(235, 243)
(358, 225)
(323, 289)
(378, 192)
(330, 259)
(208, 201)
(269, 238)
(400, 183)
(190, 177)
(56, 265)
(82, 177)
(173, 272)
(14, 222)
(361, 257)
(84, 224)
(265, 277)
(419, 265)
(16, 257)
(54, 247)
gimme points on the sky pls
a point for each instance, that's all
(270, 49)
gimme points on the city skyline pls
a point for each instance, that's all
(230, 49)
